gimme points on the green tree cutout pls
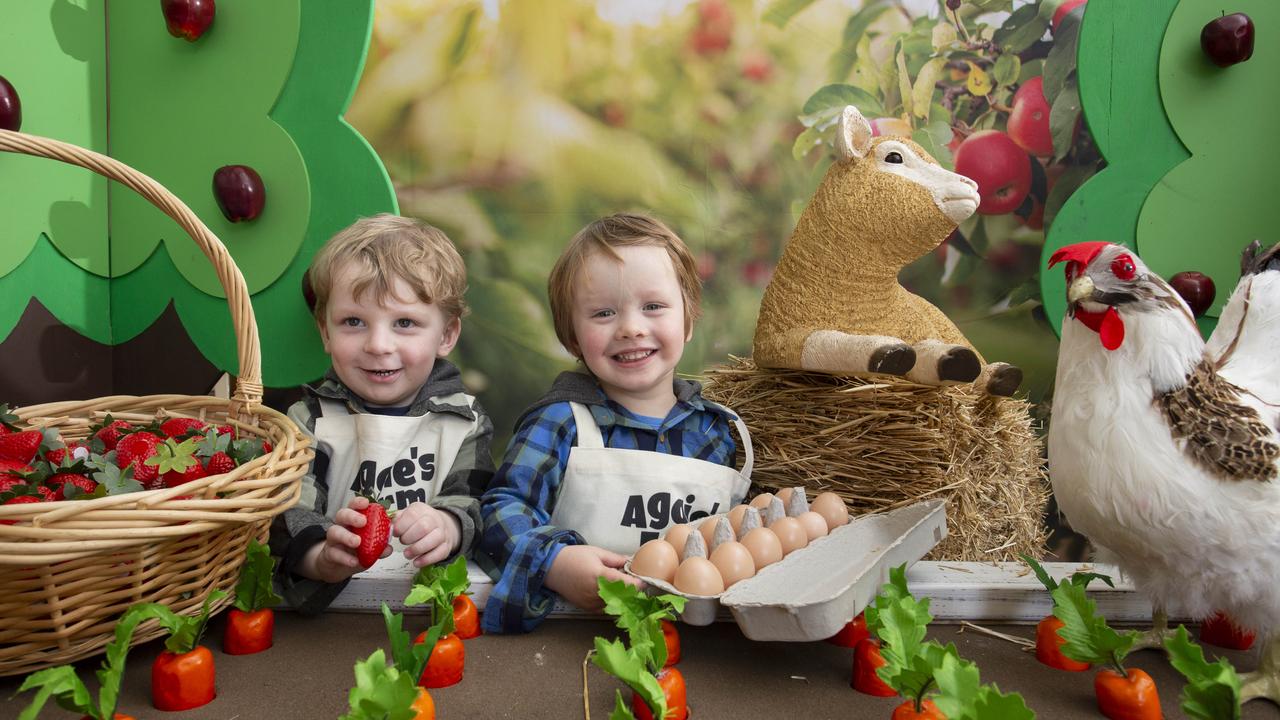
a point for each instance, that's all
(266, 87)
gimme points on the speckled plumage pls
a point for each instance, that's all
(1163, 451)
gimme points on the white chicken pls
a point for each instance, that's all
(1163, 449)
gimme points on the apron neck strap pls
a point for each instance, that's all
(749, 456)
(588, 431)
(329, 406)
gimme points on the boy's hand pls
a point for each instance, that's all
(573, 574)
(334, 559)
(429, 535)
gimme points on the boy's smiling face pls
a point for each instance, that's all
(384, 351)
(628, 320)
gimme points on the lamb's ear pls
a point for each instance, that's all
(853, 136)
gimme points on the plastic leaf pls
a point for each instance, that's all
(253, 590)
(641, 616)
(406, 656)
(173, 457)
(620, 709)
(1213, 690)
(890, 593)
(184, 632)
(381, 692)
(439, 585)
(626, 665)
(61, 684)
(958, 684)
(993, 705)
(1041, 574)
(1087, 636)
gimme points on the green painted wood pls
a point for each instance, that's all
(53, 53)
(345, 180)
(1203, 212)
(77, 298)
(180, 110)
(1118, 61)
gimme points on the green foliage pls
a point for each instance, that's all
(1079, 578)
(381, 692)
(439, 585)
(962, 696)
(641, 616)
(630, 666)
(65, 687)
(1212, 691)
(409, 657)
(621, 711)
(184, 632)
(1087, 636)
(253, 589)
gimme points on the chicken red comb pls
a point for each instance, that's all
(1081, 252)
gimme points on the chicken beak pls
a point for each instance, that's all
(1080, 289)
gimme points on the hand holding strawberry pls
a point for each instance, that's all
(429, 535)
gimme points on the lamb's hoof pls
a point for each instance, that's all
(959, 364)
(895, 359)
(1004, 381)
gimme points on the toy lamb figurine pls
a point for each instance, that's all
(834, 304)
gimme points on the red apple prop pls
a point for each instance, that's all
(890, 126)
(1066, 7)
(1196, 288)
(1029, 121)
(1001, 169)
(239, 191)
(10, 107)
(1228, 40)
(187, 19)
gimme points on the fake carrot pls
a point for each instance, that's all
(866, 661)
(1048, 641)
(852, 633)
(671, 637)
(1123, 694)
(251, 623)
(384, 691)
(446, 664)
(924, 710)
(441, 586)
(466, 618)
(658, 691)
(183, 676)
(1221, 631)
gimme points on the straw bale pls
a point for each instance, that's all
(884, 443)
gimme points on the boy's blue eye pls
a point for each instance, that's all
(351, 322)
(649, 307)
(405, 323)
(602, 313)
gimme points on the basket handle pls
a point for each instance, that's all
(248, 389)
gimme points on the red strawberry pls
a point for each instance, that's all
(58, 456)
(60, 482)
(111, 433)
(134, 449)
(20, 446)
(179, 426)
(374, 535)
(219, 463)
(46, 494)
(174, 478)
(226, 430)
(8, 466)
(9, 482)
(266, 447)
(18, 500)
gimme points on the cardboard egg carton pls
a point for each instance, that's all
(811, 593)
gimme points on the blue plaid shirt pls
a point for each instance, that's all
(518, 543)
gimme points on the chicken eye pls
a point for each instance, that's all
(1123, 267)
(893, 157)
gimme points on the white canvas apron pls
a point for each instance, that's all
(405, 459)
(619, 499)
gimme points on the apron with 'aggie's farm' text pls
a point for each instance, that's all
(619, 499)
(399, 459)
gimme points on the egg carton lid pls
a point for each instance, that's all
(811, 593)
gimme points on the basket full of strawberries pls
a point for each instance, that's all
(114, 501)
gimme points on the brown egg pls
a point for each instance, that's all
(832, 509)
(697, 576)
(814, 526)
(677, 534)
(764, 546)
(734, 562)
(735, 517)
(784, 495)
(708, 528)
(656, 559)
(790, 533)
(761, 501)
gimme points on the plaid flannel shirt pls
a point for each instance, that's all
(518, 543)
(299, 528)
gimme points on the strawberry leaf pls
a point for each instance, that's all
(113, 479)
(173, 456)
(212, 442)
(7, 418)
(1087, 636)
(253, 590)
(381, 692)
(630, 667)
(1212, 691)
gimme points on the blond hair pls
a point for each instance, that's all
(603, 235)
(381, 248)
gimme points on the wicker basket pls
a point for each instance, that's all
(68, 570)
